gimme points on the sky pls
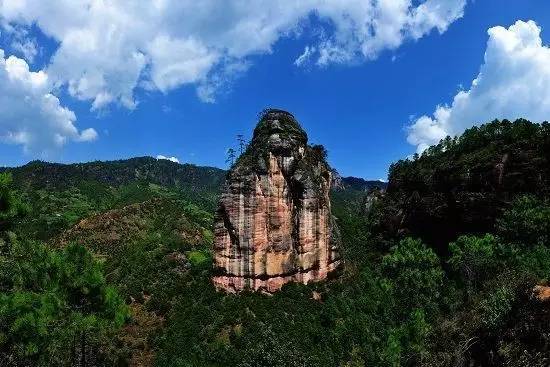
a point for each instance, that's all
(373, 81)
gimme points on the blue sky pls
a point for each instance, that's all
(358, 109)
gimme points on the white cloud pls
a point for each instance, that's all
(218, 81)
(179, 61)
(305, 56)
(513, 82)
(366, 28)
(19, 40)
(88, 135)
(30, 115)
(27, 48)
(171, 159)
(108, 48)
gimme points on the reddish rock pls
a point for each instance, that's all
(542, 293)
(274, 222)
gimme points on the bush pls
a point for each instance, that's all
(526, 222)
(474, 258)
(415, 275)
(496, 307)
(55, 305)
(11, 206)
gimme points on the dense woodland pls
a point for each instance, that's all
(109, 264)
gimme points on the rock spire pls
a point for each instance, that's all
(274, 223)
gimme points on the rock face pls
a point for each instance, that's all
(274, 223)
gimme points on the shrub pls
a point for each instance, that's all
(11, 206)
(415, 274)
(475, 258)
(526, 222)
(55, 305)
(496, 307)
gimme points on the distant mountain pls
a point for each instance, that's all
(38, 174)
(45, 175)
(357, 183)
(60, 195)
(340, 183)
(349, 195)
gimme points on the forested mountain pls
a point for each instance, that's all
(62, 194)
(463, 185)
(109, 263)
(56, 176)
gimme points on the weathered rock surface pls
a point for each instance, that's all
(274, 222)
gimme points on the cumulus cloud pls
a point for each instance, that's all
(513, 82)
(108, 48)
(171, 159)
(30, 115)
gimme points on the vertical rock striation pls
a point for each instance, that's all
(274, 224)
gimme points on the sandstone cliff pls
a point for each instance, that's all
(274, 223)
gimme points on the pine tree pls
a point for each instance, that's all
(242, 142)
(230, 156)
(11, 206)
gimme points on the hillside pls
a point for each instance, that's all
(481, 201)
(464, 185)
(187, 177)
(62, 194)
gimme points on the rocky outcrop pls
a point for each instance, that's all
(541, 293)
(274, 223)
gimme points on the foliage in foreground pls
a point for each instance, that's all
(55, 305)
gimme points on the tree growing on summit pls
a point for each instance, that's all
(230, 156)
(242, 143)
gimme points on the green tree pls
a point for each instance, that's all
(230, 156)
(55, 305)
(477, 259)
(526, 222)
(242, 143)
(496, 307)
(415, 275)
(11, 206)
